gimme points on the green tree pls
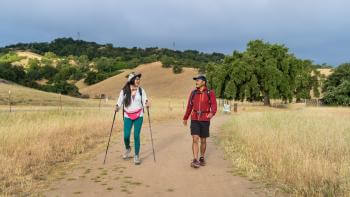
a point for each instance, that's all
(33, 71)
(264, 71)
(336, 88)
(167, 62)
(177, 69)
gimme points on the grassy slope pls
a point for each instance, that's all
(27, 96)
(158, 82)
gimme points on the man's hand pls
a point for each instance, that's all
(185, 122)
(116, 108)
(210, 115)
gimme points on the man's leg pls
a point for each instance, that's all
(195, 131)
(195, 146)
(203, 146)
(204, 134)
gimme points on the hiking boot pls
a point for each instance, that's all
(126, 154)
(137, 160)
(195, 164)
(202, 161)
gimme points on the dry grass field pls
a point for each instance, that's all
(33, 143)
(305, 152)
(21, 95)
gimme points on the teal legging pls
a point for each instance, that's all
(128, 123)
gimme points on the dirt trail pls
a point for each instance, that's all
(171, 175)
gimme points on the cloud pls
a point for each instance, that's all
(314, 29)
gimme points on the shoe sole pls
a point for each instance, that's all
(194, 166)
(128, 158)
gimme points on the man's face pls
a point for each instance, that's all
(200, 83)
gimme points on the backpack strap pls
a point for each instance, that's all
(208, 93)
(194, 92)
(140, 91)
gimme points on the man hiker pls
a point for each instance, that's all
(202, 107)
(132, 99)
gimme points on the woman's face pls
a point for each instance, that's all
(137, 81)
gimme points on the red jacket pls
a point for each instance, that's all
(200, 107)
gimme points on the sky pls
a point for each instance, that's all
(312, 29)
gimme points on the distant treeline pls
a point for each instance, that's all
(66, 61)
(132, 56)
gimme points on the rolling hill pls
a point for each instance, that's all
(27, 96)
(158, 82)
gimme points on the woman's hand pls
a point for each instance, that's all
(148, 104)
(116, 108)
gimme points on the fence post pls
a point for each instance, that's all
(10, 102)
(99, 105)
(60, 101)
(235, 107)
(169, 107)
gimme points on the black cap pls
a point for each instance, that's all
(201, 77)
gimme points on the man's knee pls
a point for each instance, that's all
(195, 139)
(203, 140)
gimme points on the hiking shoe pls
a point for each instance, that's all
(126, 154)
(195, 164)
(202, 161)
(137, 160)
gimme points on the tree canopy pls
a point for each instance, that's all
(264, 71)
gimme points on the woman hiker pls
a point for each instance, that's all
(132, 99)
(201, 107)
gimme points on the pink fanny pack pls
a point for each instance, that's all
(134, 115)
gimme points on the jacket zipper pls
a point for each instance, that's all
(200, 100)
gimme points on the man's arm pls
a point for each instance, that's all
(213, 107)
(188, 110)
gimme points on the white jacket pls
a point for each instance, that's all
(135, 104)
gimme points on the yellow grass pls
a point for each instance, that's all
(33, 143)
(305, 152)
(159, 82)
(26, 57)
(325, 71)
(21, 95)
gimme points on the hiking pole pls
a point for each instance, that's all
(110, 134)
(150, 129)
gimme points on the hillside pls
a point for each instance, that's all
(27, 96)
(158, 82)
(26, 55)
(325, 71)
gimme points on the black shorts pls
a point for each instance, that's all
(200, 128)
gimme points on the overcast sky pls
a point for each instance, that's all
(314, 29)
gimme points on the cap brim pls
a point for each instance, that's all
(138, 75)
(199, 78)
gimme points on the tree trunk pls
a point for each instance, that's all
(267, 99)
